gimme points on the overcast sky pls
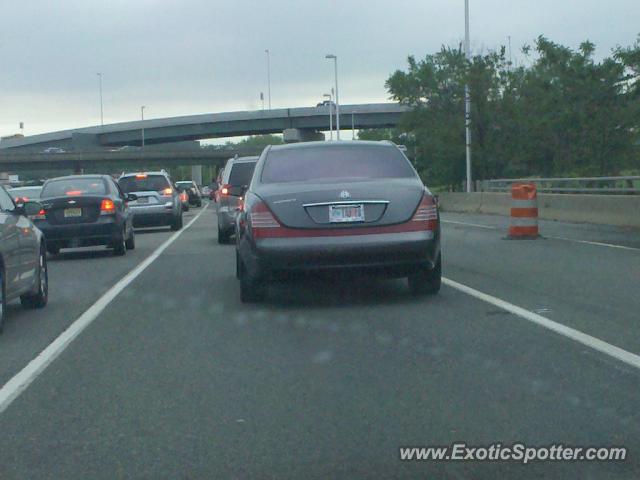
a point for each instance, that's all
(181, 57)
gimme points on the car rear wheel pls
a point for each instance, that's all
(40, 297)
(223, 237)
(131, 241)
(177, 223)
(252, 289)
(120, 247)
(427, 281)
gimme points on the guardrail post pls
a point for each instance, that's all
(524, 212)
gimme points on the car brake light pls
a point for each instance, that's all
(427, 213)
(167, 191)
(74, 192)
(184, 197)
(263, 223)
(107, 207)
(41, 215)
(141, 176)
(225, 190)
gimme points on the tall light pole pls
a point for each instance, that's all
(330, 97)
(467, 97)
(268, 76)
(142, 115)
(101, 111)
(335, 68)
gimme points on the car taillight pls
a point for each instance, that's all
(167, 192)
(225, 190)
(263, 223)
(427, 213)
(74, 192)
(184, 197)
(107, 207)
(41, 215)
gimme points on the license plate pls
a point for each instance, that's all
(346, 213)
(72, 212)
(143, 200)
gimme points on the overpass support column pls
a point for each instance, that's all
(293, 135)
(196, 174)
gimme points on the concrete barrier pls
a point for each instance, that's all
(619, 210)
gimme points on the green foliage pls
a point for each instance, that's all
(257, 141)
(564, 114)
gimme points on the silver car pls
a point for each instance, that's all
(236, 176)
(23, 256)
(158, 201)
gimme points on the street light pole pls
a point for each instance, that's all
(335, 67)
(330, 96)
(142, 115)
(268, 76)
(467, 97)
(101, 110)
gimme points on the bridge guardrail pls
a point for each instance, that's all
(623, 185)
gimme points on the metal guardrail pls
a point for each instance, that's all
(628, 185)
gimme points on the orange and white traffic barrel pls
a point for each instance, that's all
(524, 211)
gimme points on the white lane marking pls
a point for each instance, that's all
(592, 342)
(20, 381)
(597, 244)
(470, 224)
(587, 242)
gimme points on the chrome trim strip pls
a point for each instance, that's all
(345, 202)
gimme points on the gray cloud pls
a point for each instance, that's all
(192, 56)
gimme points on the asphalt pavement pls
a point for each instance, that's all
(177, 379)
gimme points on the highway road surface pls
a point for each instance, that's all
(528, 341)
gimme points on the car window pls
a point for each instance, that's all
(6, 203)
(74, 186)
(335, 162)
(241, 173)
(144, 183)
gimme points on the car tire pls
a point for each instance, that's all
(131, 241)
(223, 237)
(120, 244)
(53, 249)
(252, 289)
(427, 281)
(3, 296)
(40, 297)
(177, 224)
(237, 265)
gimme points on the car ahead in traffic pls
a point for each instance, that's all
(158, 201)
(195, 197)
(22, 195)
(184, 199)
(23, 256)
(236, 175)
(325, 207)
(83, 211)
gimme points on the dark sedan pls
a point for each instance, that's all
(85, 210)
(347, 207)
(23, 258)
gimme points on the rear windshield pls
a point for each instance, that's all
(241, 173)
(184, 184)
(74, 186)
(32, 193)
(148, 183)
(335, 163)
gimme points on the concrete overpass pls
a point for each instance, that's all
(307, 120)
(19, 160)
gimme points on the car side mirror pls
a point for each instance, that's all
(29, 208)
(132, 197)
